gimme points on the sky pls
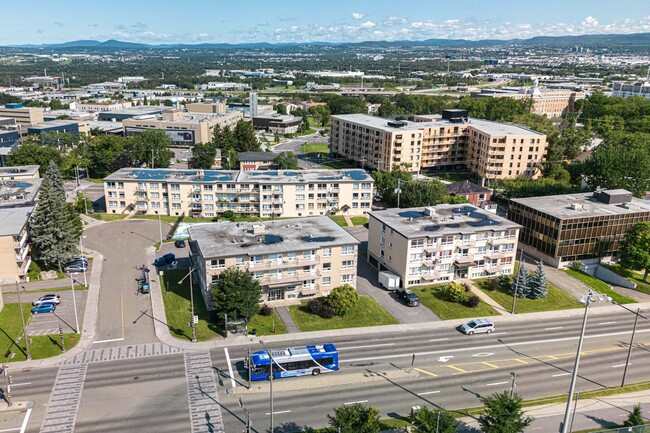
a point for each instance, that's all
(197, 21)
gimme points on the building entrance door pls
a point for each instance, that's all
(276, 294)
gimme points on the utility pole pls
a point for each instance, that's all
(62, 338)
(74, 302)
(271, 382)
(629, 349)
(398, 190)
(5, 373)
(22, 319)
(192, 321)
(81, 248)
(513, 385)
(247, 362)
(363, 160)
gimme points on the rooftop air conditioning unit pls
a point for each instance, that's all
(576, 206)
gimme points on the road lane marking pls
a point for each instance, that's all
(428, 392)
(10, 429)
(499, 333)
(490, 365)
(21, 384)
(606, 323)
(496, 383)
(440, 339)
(483, 354)
(24, 426)
(620, 365)
(553, 328)
(496, 346)
(364, 347)
(561, 374)
(425, 372)
(275, 413)
(108, 341)
(232, 376)
(521, 360)
(444, 358)
(122, 302)
(355, 402)
(456, 368)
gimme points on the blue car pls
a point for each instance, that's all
(164, 260)
(46, 307)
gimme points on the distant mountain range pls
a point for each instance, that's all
(589, 41)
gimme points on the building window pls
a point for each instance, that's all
(327, 267)
(347, 278)
(240, 261)
(218, 263)
(347, 264)
(327, 252)
(327, 281)
(347, 250)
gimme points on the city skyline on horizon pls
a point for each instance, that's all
(338, 21)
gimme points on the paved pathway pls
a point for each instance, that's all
(286, 318)
(61, 413)
(485, 298)
(205, 410)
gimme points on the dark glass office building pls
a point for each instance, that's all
(586, 226)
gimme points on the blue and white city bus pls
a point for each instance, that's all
(294, 361)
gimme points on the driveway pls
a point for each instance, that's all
(367, 284)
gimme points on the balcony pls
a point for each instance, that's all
(498, 254)
(500, 240)
(431, 276)
(493, 269)
(431, 248)
(430, 261)
(19, 244)
(21, 255)
(274, 281)
(22, 270)
(141, 188)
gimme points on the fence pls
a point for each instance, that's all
(637, 429)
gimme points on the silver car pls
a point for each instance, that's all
(51, 298)
(477, 326)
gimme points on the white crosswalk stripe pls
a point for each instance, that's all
(205, 410)
(61, 412)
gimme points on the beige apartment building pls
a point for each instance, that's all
(544, 102)
(211, 108)
(185, 129)
(441, 243)
(24, 116)
(19, 172)
(292, 259)
(448, 142)
(264, 193)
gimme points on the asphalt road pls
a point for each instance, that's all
(449, 369)
(123, 313)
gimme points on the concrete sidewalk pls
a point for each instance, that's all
(286, 318)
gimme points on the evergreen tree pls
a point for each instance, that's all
(537, 285)
(55, 225)
(245, 140)
(503, 414)
(519, 285)
(635, 418)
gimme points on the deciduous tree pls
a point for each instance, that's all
(342, 299)
(236, 294)
(355, 418)
(286, 160)
(203, 155)
(426, 420)
(635, 249)
(503, 414)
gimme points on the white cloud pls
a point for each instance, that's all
(368, 25)
(393, 20)
(357, 15)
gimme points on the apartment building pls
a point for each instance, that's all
(544, 102)
(19, 172)
(24, 116)
(441, 243)
(432, 143)
(292, 259)
(264, 193)
(588, 227)
(185, 129)
(14, 243)
(625, 90)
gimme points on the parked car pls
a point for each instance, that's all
(76, 267)
(77, 258)
(51, 298)
(409, 298)
(477, 326)
(164, 260)
(45, 307)
(179, 243)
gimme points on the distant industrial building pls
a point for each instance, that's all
(437, 143)
(103, 106)
(292, 259)
(441, 243)
(184, 129)
(266, 194)
(625, 90)
(587, 227)
(128, 113)
(23, 116)
(277, 123)
(60, 126)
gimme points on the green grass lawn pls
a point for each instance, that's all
(635, 277)
(359, 221)
(264, 324)
(176, 298)
(599, 286)
(432, 298)
(338, 165)
(102, 216)
(315, 148)
(340, 220)
(367, 312)
(557, 299)
(40, 347)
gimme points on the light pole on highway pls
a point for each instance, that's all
(513, 385)
(192, 322)
(81, 247)
(629, 349)
(271, 382)
(22, 318)
(74, 304)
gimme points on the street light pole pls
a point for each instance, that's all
(81, 247)
(22, 318)
(192, 324)
(513, 374)
(629, 349)
(74, 304)
(271, 382)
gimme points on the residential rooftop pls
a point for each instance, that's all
(227, 239)
(589, 204)
(12, 220)
(252, 176)
(465, 187)
(257, 156)
(442, 220)
(18, 171)
(436, 121)
(23, 192)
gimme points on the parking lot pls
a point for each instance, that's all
(48, 323)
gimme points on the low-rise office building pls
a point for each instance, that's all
(277, 123)
(256, 160)
(433, 143)
(625, 90)
(128, 113)
(441, 243)
(211, 108)
(184, 129)
(292, 259)
(61, 126)
(266, 194)
(23, 116)
(588, 227)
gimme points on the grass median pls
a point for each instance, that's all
(434, 299)
(40, 347)
(367, 312)
(557, 299)
(599, 286)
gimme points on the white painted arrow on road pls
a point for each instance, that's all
(444, 358)
(483, 354)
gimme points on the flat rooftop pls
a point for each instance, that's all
(135, 111)
(581, 205)
(19, 170)
(12, 220)
(186, 117)
(227, 239)
(53, 124)
(252, 176)
(19, 192)
(447, 219)
(436, 121)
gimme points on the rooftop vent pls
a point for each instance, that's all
(577, 206)
(430, 211)
(397, 123)
(258, 228)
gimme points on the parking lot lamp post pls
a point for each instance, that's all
(271, 382)
(192, 324)
(74, 305)
(22, 318)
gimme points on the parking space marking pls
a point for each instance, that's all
(108, 341)
(278, 412)
(349, 403)
(425, 372)
(496, 383)
(490, 365)
(24, 426)
(10, 429)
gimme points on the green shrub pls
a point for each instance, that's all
(454, 293)
(473, 301)
(266, 310)
(34, 272)
(342, 299)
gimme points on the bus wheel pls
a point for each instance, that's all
(316, 371)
